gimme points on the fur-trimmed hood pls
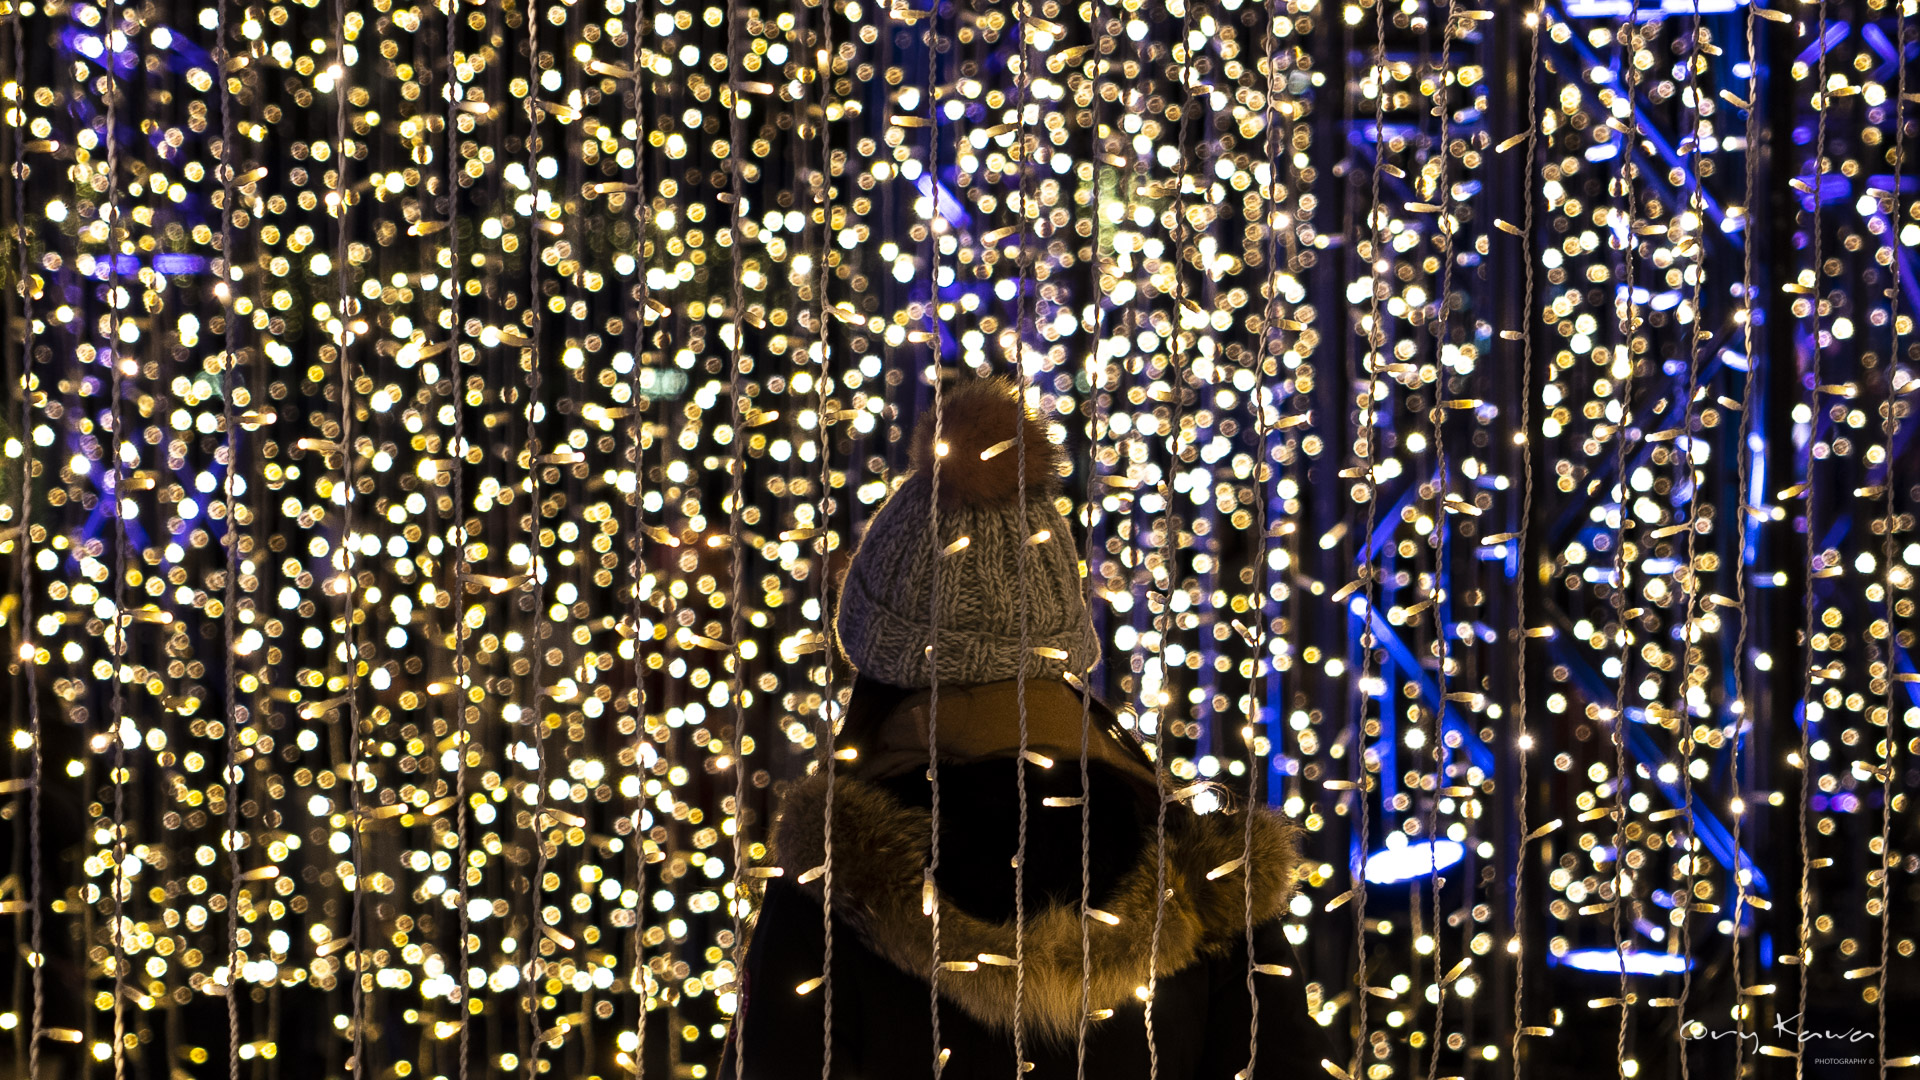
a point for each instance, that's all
(880, 848)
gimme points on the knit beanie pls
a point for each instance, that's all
(978, 561)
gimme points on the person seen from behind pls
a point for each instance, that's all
(1193, 948)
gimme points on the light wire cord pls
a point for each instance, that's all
(830, 710)
(1538, 17)
(737, 489)
(458, 534)
(642, 982)
(121, 623)
(1023, 318)
(1370, 361)
(1096, 379)
(538, 816)
(230, 380)
(929, 893)
(29, 660)
(1628, 323)
(1444, 108)
(1169, 529)
(1805, 959)
(1257, 611)
(1751, 163)
(1891, 427)
(1684, 466)
(343, 203)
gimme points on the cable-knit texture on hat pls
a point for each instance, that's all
(886, 602)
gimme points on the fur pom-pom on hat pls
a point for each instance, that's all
(981, 429)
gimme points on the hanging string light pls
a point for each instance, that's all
(1736, 805)
(1177, 389)
(936, 378)
(230, 486)
(1368, 365)
(1684, 452)
(1809, 490)
(459, 682)
(115, 352)
(1888, 747)
(1026, 284)
(736, 550)
(830, 712)
(1523, 740)
(1626, 235)
(28, 657)
(1097, 371)
(1445, 239)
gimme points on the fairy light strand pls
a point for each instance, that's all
(539, 815)
(1096, 389)
(737, 569)
(641, 984)
(1536, 21)
(1629, 327)
(1890, 519)
(122, 621)
(1689, 593)
(460, 677)
(1256, 685)
(1750, 171)
(230, 377)
(830, 711)
(1023, 319)
(348, 549)
(1804, 952)
(29, 655)
(1448, 231)
(936, 375)
(1370, 362)
(1169, 530)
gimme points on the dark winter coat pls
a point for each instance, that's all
(882, 937)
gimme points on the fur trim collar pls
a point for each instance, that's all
(880, 848)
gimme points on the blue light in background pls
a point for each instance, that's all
(1613, 9)
(1638, 962)
(1412, 861)
(172, 264)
